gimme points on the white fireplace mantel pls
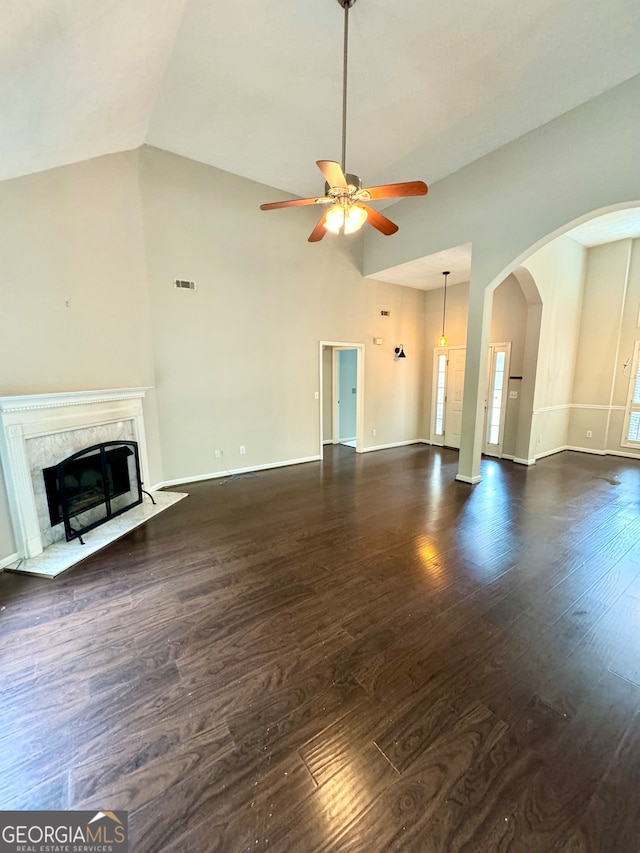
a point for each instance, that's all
(31, 416)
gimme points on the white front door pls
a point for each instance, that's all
(448, 384)
(448, 393)
(455, 393)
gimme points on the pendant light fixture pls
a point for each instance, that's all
(443, 338)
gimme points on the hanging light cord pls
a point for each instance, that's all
(344, 85)
(444, 301)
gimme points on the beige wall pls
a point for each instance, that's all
(73, 298)
(510, 203)
(237, 360)
(558, 270)
(456, 315)
(73, 289)
(610, 327)
(508, 324)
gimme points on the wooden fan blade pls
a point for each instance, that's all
(333, 173)
(398, 190)
(375, 218)
(296, 202)
(319, 231)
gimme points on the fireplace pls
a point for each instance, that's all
(38, 432)
(92, 486)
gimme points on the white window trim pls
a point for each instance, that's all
(631, 407)
(436, 437)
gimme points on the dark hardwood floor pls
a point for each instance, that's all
(355, 655)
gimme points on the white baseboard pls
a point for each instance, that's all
(392, 445)
(623, 454)
(216, 475)
(6, 561)
(472, 481)
(591, 450)
(327, 441)
(553, 452)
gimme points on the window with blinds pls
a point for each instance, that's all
(631, 430)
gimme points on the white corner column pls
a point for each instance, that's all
(475, 380)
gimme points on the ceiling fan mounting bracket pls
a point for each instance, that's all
(347, 4)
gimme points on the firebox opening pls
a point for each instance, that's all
(93, 486)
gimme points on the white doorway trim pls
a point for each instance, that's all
(336, 413)
(495, 448)
(438, 439)
(359, 348)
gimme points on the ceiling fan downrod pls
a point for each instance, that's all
(346, 5)
(343, 192)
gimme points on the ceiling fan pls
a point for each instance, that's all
(347, 199)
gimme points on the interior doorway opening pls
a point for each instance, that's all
(341, 394)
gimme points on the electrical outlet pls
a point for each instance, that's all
(540, 439)
(317, 395)
(243, 450)
(589, 433)
(374, 432)
(218, 454)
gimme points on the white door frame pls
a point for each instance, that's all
(496, 449)
(438, 440)
(359, 348)
(335, 407)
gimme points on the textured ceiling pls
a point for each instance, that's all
(255, 87)
(426, 273)
(618, 225)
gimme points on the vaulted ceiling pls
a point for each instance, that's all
(254, 87)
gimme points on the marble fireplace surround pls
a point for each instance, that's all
(40, 430)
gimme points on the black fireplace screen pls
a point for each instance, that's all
(92, 486)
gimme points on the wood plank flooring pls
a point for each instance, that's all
(347, 656)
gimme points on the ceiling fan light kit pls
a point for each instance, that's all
(344, 220)
(343, 191)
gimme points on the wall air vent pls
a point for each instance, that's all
(183, 284)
